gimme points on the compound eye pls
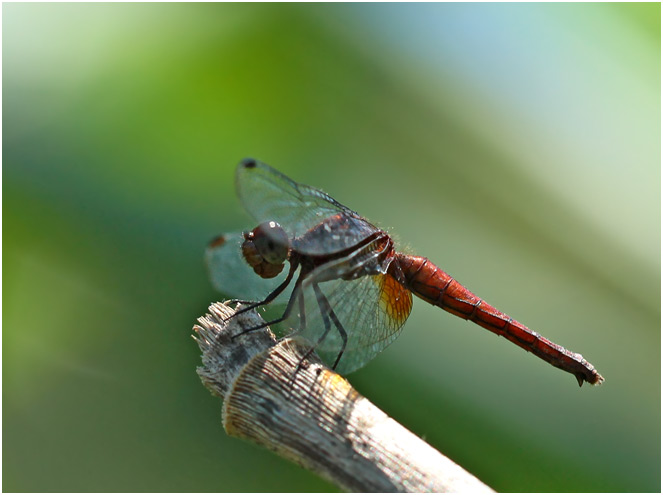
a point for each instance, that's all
(272, 242)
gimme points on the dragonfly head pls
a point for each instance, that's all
(266, 249)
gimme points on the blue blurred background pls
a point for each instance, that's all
(516, 145)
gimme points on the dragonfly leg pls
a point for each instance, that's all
(344, 336)
(239, 301)
(302, 326)
(302, 311)
(325, 319)
(327, 313)
(288, 309)
(272, 295)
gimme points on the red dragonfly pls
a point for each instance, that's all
(353, 291)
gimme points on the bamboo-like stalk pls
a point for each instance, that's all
(295, 406)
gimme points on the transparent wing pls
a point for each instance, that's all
(371, 309)
(268, 195)
(231, 275)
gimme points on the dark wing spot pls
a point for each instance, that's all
(217, 241)
(248, 163)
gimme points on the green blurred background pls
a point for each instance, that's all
(516, 145)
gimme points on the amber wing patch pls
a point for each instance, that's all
(395, 300)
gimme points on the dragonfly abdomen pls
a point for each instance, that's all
(436, 287)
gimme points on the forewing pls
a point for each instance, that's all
(231, 275)
(268, 195)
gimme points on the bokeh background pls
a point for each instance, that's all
(516, 145)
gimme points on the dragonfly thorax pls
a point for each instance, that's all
(266, 249)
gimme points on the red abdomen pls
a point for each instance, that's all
(433, 285)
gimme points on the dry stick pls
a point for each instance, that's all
(311, 415)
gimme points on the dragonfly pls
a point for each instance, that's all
(347, 290)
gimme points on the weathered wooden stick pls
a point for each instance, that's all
(296, 406)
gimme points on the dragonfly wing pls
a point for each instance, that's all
(269, 195)
(231, 275)
(371, 309)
